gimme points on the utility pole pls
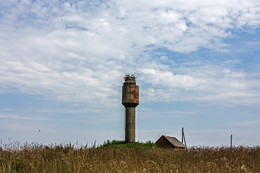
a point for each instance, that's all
(231, 141)
(183, 137)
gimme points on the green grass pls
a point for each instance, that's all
(122, 144)
(116, 157)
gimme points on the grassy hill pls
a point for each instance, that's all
(118, 157)
(122, 144)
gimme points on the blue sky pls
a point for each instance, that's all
(63, 64)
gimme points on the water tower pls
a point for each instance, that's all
(130, 99)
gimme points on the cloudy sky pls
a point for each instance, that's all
(63, 62)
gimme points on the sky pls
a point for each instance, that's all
(63, 62)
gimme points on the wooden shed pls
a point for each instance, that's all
(169, 142)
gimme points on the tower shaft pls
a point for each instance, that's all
(129, 124)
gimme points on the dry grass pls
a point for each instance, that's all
(37, 158)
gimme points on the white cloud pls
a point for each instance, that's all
(80, 51)
(21, 117)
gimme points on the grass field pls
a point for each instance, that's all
(118, 157)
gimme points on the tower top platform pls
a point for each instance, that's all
(130, 79)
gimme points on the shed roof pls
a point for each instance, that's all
(172, 140)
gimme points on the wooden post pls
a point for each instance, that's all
(183, 137)
(182, 134)
(231, 138)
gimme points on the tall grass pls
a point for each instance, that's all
(68, 158)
